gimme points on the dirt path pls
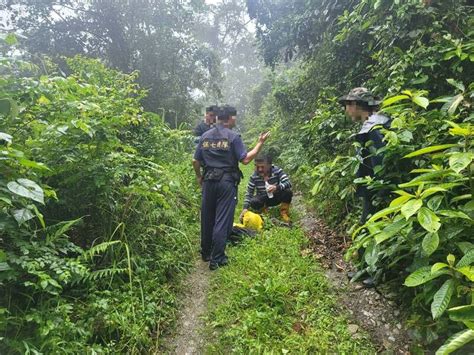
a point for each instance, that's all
(370, 309)
(188, 338)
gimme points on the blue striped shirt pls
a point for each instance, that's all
(257, 184)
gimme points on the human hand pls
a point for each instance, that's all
(199, 180)
(241, 218)
(272, 188)
(263, 137)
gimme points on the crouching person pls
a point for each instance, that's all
(268, 186)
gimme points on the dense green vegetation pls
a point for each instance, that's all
(419, 56)
(270, 299)
(98, 211)
(99, 208)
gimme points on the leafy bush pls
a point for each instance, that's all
(418, 55)
(432, 217)
(97, 211)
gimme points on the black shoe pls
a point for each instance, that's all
(215, 266)
(368, 282)
(205, 258)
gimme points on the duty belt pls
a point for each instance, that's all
(216, 174)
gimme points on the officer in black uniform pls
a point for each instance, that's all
(209, 121)
(220, 150)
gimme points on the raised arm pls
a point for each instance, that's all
(258, 147)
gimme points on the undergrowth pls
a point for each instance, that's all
(271, 299)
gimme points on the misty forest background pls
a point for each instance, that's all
(99, 208)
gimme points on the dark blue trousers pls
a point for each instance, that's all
(219, 199)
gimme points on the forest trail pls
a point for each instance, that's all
(364, 320)
(370, 309)
(361, 313)
(188, 338)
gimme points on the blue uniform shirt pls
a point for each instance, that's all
(220, 147)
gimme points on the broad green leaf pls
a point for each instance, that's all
(435, 202)
(6, 200)
(431, 191)
(457, 341)
(462, 197)
(27, 188)
(467, 259)
(400, 200)
(431, 149)
(316, 188)
(452, 231)
(371, 254)
(442, 298)
(428, 220)
(467, 271)
(403, 193)
(458, 131)
(465, 247)
(421, 101)
(459, 161)
(23, 215)
(33, 164)
(421, 276)
(457, 84)
(426, 177)
(453, 214)
(391, 230)
(383, 213)
(462, 313)
(394, 99)
(438, 266)
(411, 207)
(430, 243)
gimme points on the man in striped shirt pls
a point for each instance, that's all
(268, 186)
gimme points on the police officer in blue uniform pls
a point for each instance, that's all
(220, 150)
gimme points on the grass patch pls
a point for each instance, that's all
(271, 299)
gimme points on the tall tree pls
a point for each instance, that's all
(156, 37)
(230, 33)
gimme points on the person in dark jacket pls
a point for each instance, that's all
(361, 106)
(220, 150)
(268, 186)
(209, 121)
